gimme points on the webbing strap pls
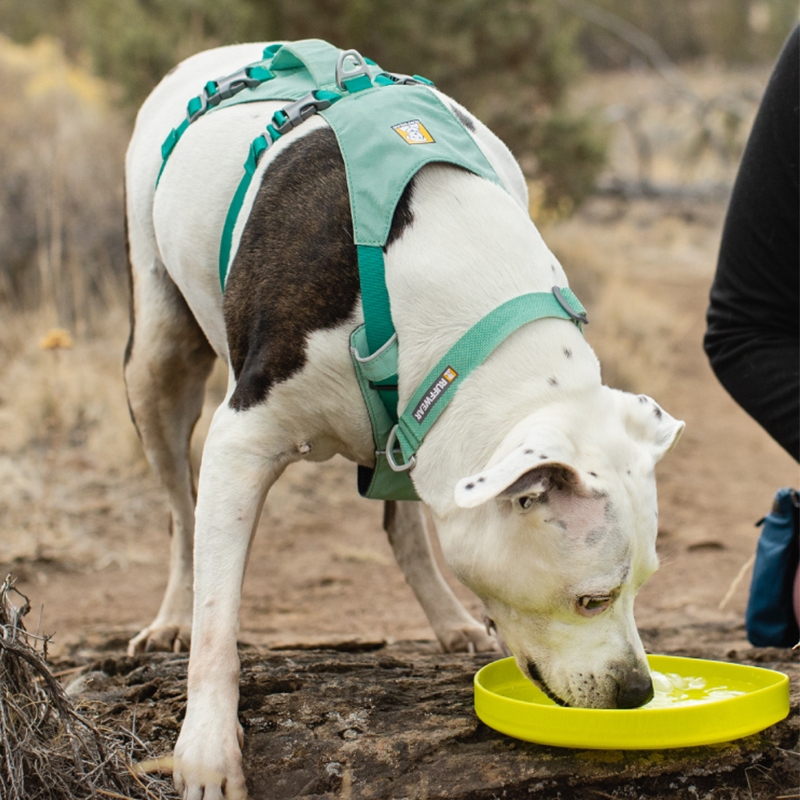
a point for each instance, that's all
(470, 351)
(374, 296)
(303, 66)
(235, 207)
(215, 92)
(282, 122)
(378, 324)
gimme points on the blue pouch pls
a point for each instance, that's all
(770, 616)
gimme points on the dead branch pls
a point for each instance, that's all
(49, 750)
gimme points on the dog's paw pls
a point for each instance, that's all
(209, 765)
(471, 638)
(161, 637)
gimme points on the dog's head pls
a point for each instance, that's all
(557, 534)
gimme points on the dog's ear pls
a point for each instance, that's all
(543, 460)
(649, 425)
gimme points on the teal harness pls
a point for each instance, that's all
(388, 127)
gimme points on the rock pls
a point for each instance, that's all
(92, 681)
(399, 723)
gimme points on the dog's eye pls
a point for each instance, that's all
(590, 605)
(523, 503)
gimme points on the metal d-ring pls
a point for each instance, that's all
(361, 67)
(393, 465)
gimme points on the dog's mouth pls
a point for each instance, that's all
(536, 677)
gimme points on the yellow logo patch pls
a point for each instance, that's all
(413, 132)
(449, 374)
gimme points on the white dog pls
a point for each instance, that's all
(539, 478)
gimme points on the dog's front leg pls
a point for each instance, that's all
(235, 476)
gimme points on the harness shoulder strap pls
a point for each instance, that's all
(386, 135)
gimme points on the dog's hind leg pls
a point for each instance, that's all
(454, 626)
(167, 362)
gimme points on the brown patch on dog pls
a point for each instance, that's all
(296, 268)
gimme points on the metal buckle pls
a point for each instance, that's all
(298, 112)
(393, 465)
(361, 67)
(564, 303)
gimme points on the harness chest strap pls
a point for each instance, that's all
(440, 385)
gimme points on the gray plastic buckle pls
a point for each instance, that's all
(361, 67)
(564, 303)
(204, 106)
(401, 80)
(298, 112)
(231, 85)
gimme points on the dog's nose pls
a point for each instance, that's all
(635, 691)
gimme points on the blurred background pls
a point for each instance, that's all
(628, 117)
(75, 71)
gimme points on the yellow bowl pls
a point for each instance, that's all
(508, 702)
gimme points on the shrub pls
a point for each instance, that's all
(61, 147)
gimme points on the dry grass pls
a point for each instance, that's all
(75, 489)
(74, 482)
(62, 414)
(61, 207)
(618, 271)
(54, 397)
(50, 749)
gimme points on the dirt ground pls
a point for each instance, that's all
(85, 528)
(321, 568)
(322, 575)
